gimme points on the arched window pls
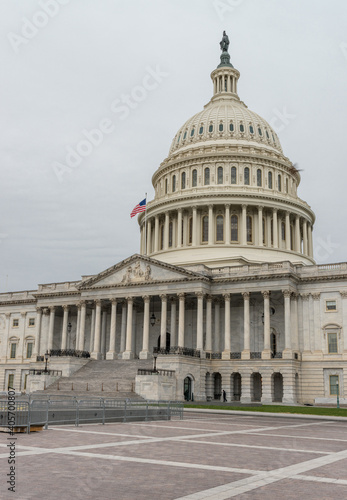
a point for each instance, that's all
(283, 231)
(242, 128)
(210, 128)
(260, 132)
(259, 178)
(246, 176)
(201, 129)
(190, 230)
(231, 127)
(173, 183)
(166, 186)
(234, 228)
(264, 230)
(205, 229)
(195, 178)
(170, 233)
(273, 343)
(220, 175)
(220, 228)
(221, 127)
(207, 176)
(286, 185)
(185, 135)
(182, 231)
(272, 231)
(183, 180)
(162, 237)
(251, 129)
(279, 183)
(291, 237)
(270, 180)
(192, 132)
(233, 175)
(249, 229)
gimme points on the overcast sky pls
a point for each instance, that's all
(64, 73)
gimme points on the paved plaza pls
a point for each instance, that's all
(205, 456)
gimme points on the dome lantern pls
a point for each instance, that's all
(225, 76)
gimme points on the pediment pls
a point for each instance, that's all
(140, 270)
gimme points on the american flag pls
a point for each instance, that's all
(140, 207)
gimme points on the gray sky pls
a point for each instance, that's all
(63, 71)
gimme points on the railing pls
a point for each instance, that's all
(69, 352)
(53, 373)
(178, 351)
(43, 412)
(255, 355)
(235, 355)
(165, 373)
(277, 355)
(213, 355)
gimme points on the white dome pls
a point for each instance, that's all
(227, 120)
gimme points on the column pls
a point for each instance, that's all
(295, 322)
(194, 228)
(243, 225)
(166, 231)
(266, 353)
(173, 340)
(297, 234)
(275, 228)
(144, 354)
(38, 332)
(64, 332)
(156, 233)
(246, 353)
(111, 354)
(208, 346)
(310, 241)
(128, 354)
(51, 327)
(163, 321)
(266, 384)
(217, 346)
(199, 322)
(210, 225)
(227, 339)
(103, 333)
(92, 330)
(227, 236)
(317, 324)
(181, 319)
(82, 329)
(260, 225)
(304, 230)
(287, 231)
(306, 323)
(268, 229)
(149, 237)
(246, 386)
(77, 328)
(96, 354)
(179, 228)
(123, 328)
(287, 353)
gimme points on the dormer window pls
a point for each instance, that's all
(185, 135)
(192, 132)
(210, 128)
(231, 127)
(221, 127)
(201, 130)
(251, 129)
(242, 128)
(260, 132)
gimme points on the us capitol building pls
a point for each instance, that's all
(225, 289)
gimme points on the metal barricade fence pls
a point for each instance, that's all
(52, 410)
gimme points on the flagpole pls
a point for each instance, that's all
(146, 226)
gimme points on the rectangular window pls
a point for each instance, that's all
(334, 384)
(15, 323)
(10, 381)
(25, 381)
(332, 343)
(330, 305)
(29, 349)
(13, 351)
(31, 321)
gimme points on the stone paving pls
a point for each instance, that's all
(206, 456)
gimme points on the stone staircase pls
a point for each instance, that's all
(109, 379)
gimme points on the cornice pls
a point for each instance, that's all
(19, 301)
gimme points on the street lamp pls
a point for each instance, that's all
(337, 394)
(46, 360)
(155, 355)
(153, 319)
(69, 326)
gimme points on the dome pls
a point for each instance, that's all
(226, 120)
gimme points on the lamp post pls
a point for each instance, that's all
(46, 360)
(155, 355)
(337, 394)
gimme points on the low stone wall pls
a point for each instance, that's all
(156, 387)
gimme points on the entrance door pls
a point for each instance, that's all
(188, 389)
(237, 387)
